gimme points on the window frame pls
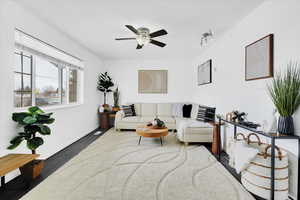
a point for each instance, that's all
(61, 67)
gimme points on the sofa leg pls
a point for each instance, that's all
(186, 143)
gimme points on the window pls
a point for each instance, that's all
(41, 82)
(23, 80)
(50, 84)
(43, 75)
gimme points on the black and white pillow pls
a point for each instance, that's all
(206, 114)
(133, 110)
(129, 110)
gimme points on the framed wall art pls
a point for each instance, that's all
(205, 73)
(259, 59)
(153, 81)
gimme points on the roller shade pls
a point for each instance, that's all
(37, 47)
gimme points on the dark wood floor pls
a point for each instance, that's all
(16, 188)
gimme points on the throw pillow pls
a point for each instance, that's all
(206, 114)
(127, 111)
(133, 110)
(186, 110)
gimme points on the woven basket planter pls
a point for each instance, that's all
(256, 178)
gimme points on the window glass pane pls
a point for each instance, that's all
(26, 64)
(47, 83)
(17, 64)
(73, 85)
(18, 82)
(26, 99)
(64, 85)
(17, 99)
(26, 82)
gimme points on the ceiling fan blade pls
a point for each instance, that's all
(158, 33)
(132, 29)
(125, 38)
(155, 42)
(139, 46)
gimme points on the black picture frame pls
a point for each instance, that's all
(205, 73)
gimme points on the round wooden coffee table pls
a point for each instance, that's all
(149, 131)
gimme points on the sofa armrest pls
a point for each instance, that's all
(119, 116)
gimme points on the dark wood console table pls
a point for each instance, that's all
(273, 137)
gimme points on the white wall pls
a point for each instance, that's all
(71, 123)
(229, 90)
(125, 74)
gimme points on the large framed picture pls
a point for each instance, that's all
(259, 59)
(205, 73)
(153, 81)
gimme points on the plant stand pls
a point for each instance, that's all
(32, 169)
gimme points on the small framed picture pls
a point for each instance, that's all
(259, 59)
(205, 73)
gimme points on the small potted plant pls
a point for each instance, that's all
(285, 94)
(116, 94)
(32, 122)
(103, 85)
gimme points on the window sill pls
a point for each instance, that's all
(50, 108)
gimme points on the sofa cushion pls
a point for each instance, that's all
(194, 112)
(187, 109)
(127, 109)
(206, 114)
(149, 109)
(146, 119)
(164, 109)
(177, 109)
(137, 108)
(192, 123)
(167, 119)
(132, 119)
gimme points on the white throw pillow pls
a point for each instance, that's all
(177, 109)
(243, 155)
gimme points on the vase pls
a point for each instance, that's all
(286, 125)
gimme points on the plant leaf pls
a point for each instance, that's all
(44, 130)
(35, 110)
(34, 143)
(19, 117)
(29, 120)
(16, 141)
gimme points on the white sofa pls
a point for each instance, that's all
(188, 129)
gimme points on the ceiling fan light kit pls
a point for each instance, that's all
(144, 37)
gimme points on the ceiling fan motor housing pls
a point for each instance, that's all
(143, 36)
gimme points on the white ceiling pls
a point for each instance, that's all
(95, 23)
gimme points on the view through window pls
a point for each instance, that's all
(41, 82)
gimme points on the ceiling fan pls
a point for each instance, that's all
(144, 37)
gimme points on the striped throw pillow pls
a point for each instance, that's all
(206, 114)
(127, 111)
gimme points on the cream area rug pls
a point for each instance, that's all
(115, 167)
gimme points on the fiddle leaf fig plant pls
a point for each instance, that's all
(104, 84)
(32, 122)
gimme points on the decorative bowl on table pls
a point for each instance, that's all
(157, 124)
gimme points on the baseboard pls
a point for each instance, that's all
(90, 133)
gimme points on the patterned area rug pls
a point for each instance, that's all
(114, 167)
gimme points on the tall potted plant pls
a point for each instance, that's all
(285, 94)
(104, 84)
(31, 123)
(116, 99)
